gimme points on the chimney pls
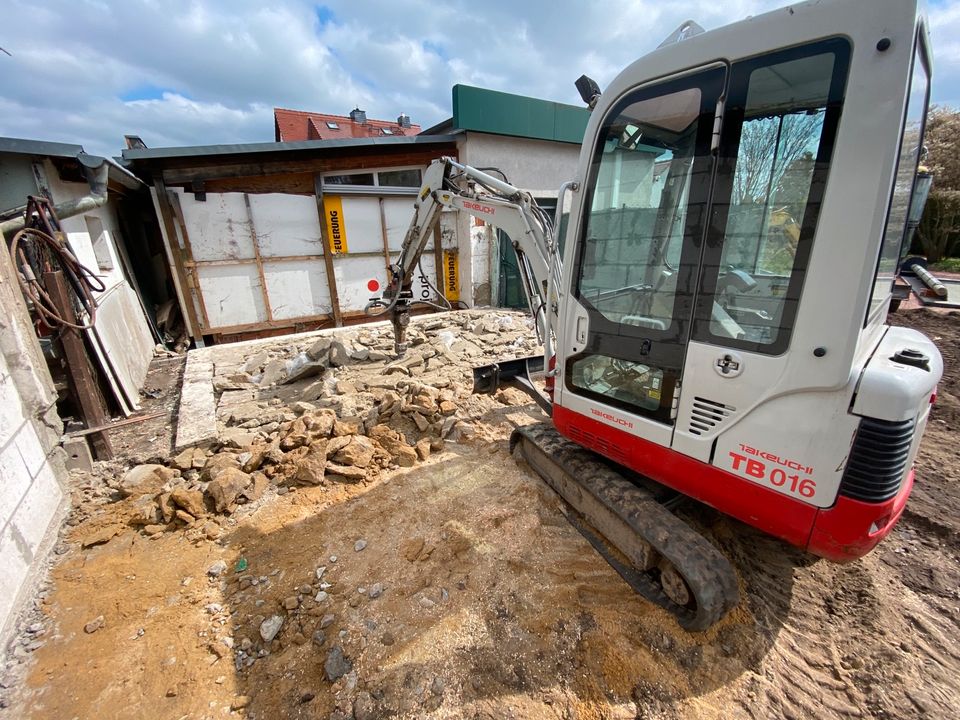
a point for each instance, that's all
(358, 116)
(404, 120)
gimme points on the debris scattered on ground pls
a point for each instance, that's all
(358, 543)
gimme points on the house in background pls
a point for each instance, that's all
(271, 238)
(536, 144)
(295, 125)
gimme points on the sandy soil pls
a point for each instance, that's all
(493, 606)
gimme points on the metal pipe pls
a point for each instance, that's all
(96, 176)
(497, 184)
(937, 287)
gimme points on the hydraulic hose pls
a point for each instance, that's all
(32, 251)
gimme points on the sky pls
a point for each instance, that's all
(186, 72)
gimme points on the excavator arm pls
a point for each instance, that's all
(449, 184)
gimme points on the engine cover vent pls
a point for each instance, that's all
(878, 460)
(708, 414)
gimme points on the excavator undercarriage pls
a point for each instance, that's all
(653, 550)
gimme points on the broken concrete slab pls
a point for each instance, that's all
(274, 372)
(197, 415)
(307, 370)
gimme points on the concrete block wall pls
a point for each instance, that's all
(33, 496)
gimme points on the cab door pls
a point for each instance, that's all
(636, 265)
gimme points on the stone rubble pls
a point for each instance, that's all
(313, 413)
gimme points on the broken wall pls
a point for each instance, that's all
(256, 261)
(33, 497)
(121, 338)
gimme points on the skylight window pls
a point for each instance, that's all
(332, 125)
(387, 131)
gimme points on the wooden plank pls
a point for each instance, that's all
(286, 183)
(258, 259)
(278, 258)
(81, 375)
(193, 280)
(118, 423)
(355, 160)
(386, 240)
(169, 227)
(438, 258)
(327, 255)
(280, 327)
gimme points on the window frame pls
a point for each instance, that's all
(376, 189)
(662, 350)
(733, 121)
(709, 80)
(920, 50)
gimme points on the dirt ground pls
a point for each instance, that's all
(472, 597)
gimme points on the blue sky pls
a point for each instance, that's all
(186, 72)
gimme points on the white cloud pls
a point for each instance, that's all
(210, 72)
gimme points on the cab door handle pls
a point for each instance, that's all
(582, 330)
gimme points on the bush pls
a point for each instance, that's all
(939, 231)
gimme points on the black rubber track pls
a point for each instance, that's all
(612, 506)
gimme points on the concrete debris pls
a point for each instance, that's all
(145, 479)
(225, 489)
(190, 501)
(337, 664)
(333, 409)
(270, 627)
(274, 372)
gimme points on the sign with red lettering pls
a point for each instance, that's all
(774, 471)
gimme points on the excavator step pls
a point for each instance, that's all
(657, 553)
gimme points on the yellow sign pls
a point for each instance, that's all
(336, 229)
(451, 276)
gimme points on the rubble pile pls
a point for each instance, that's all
(331, 409)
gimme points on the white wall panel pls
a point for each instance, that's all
(353, 275)
(231, 294)
(428, 268)
(361, 217)
(286, 225)
(218, 227)
(399, 213)
(297, 288)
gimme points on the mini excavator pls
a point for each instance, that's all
(714, 326)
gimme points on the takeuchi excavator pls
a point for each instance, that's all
(714, 326)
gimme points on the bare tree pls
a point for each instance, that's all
(768, 147)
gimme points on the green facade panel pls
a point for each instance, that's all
(502, 113)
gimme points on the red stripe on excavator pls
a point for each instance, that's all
(777, 514)
(846, 531)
